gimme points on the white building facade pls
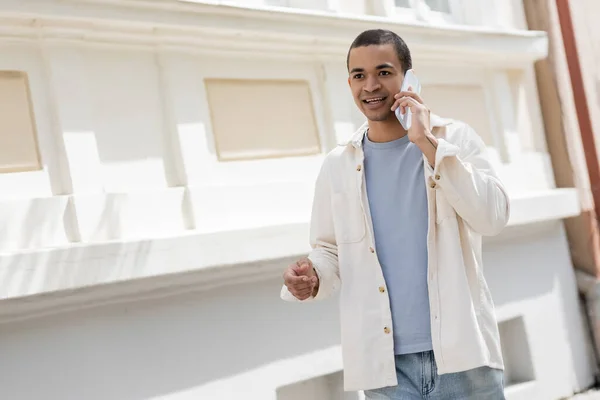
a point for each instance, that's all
(157, 163)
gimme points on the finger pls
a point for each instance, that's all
(297, 280)
(396, 105)
(408, 102)
(301, 263)
(303, 295)
(404, 102)
(406, 93)
(304, 290)
(410, 94)
(301, 280)
(289, 274)
(413, 96)
(291, 270)
(303, 260)
(301, 286)
(303, 267)
(309, 279)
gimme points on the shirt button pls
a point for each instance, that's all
(358, 167)
(372, 250)
(386, 330)
(432, 185)
(437, 177)
(381, 289)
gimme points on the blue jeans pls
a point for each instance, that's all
(418, 380)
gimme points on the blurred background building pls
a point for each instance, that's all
(157, 162)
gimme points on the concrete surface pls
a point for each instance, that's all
(589, 395)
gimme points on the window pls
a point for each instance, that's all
(432, 11)
(516, 352)
(442, 6)
(253, 119)
(403, 3)
(18, 138)
(322, 5)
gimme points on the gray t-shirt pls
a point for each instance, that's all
(398, 203)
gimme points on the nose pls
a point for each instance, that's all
(372, 84)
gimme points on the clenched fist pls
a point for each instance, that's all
(301, 279)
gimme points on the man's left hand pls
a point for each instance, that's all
(420, 129)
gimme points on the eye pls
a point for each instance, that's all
(357, 76)
(384, 73)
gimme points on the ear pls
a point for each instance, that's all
(348, 81)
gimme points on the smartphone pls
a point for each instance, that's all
(410, 79)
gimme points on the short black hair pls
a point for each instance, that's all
(379, 37)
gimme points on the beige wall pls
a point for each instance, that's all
(262, 118)
(18, 138)
(587, 33)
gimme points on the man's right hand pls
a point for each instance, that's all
(301, 279)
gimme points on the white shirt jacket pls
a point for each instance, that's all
(466, 200)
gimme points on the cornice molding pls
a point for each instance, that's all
(36, 283)
(217, 27)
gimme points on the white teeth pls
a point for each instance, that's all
(372, 100)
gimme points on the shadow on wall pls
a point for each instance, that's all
(48, 271)
(160, 348)
(120, 99)
(326, 387)
(528, 270)
(535, 292)
(34, 223)
(126, 109)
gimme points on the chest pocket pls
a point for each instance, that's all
(443, 209)
(348, 219)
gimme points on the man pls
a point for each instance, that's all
(397, 222)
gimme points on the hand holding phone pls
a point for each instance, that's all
(410, 80)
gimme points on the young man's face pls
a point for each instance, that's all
(375, 77)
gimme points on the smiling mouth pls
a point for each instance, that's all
(374, 100)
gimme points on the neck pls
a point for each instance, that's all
(385, 131)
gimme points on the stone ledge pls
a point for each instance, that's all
(37, 282)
